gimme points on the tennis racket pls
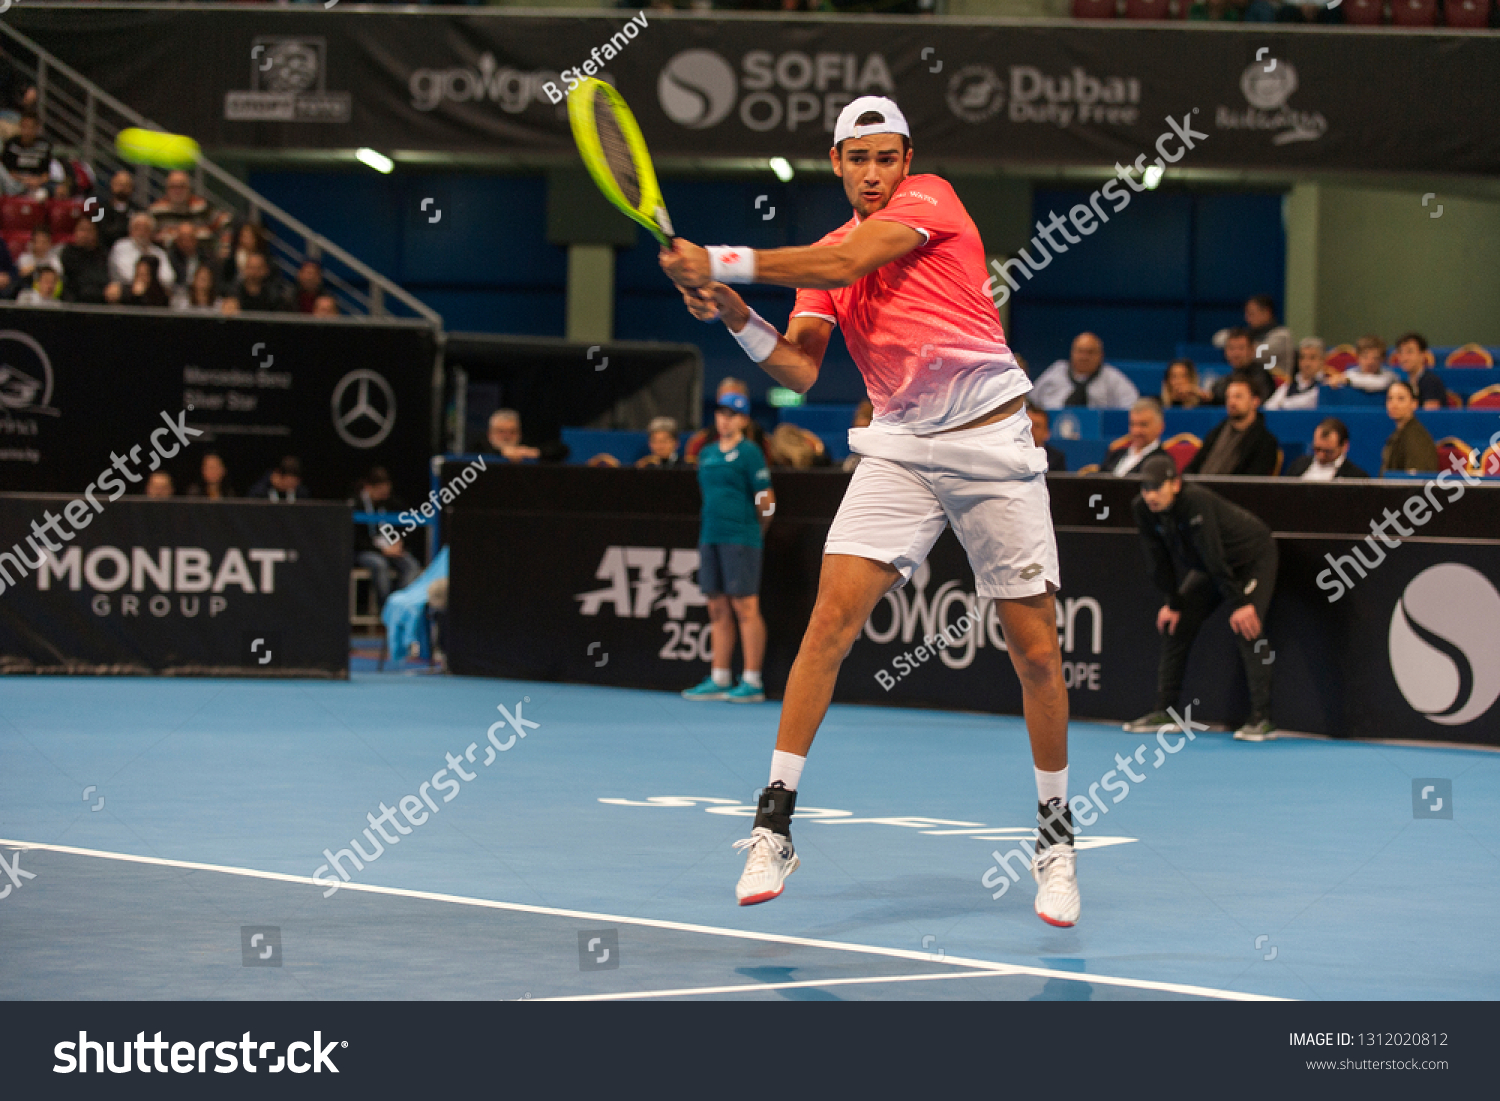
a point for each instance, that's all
(615, 154)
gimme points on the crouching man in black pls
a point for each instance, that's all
(1202, 549)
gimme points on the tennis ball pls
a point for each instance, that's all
(156, 148)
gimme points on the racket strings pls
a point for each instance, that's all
(616, 151)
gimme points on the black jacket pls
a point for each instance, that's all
(1204, 532)
(1257, 453)
(1347, 470)
(85, 273)
(1057, 460)
(1117, 456)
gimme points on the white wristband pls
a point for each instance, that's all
(731, 264)
(759, 337)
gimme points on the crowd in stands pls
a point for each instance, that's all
(1404, 13)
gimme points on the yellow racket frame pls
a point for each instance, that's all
(652, 211)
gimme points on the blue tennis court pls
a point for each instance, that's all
(161, 838)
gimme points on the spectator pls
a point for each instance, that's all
(325, 305)
(1041, 432)
(1240, 445)
(213, 479)
(1413, 355)
(1301, 390)
(179, 206)
(706, 435)
(283, 482)
(17, 95)
(229, 305)
(504, 437)
(39, 250)
(1369, 372)
(127, 250)
(799, 448)
(26, 162)
(1179, 386)
(45, 289)
(118, 209)
(661, 444)
(1146, 424)
(1084, 379)
(1203, 550)
(85, 265)
(145, 287)
(260, 288)
(1330, 455)
(864, 413)
(1261, 328)
(1410, 447)
(381, 556)
(159, 484)
(310, 286)
(1241, 360)
(248, 239)
(738, 503)
(201, 295)
(186, 253)
(10, 279)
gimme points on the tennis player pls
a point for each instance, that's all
(950, 443)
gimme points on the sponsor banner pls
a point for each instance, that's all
(150, 586)
(1401, 654)
(79, 384)
(1028, 93)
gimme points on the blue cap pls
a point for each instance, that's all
(735, 403)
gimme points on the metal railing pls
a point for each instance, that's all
(77, 114)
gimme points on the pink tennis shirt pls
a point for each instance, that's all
(921, 330)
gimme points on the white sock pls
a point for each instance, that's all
(723, 678)
(786, 767)
(1052, 785)
(752, 679)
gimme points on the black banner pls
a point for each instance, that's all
(135, 585)
(1261, 96)
(78, 383)
(590, 576)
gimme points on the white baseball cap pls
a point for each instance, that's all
(895, 121)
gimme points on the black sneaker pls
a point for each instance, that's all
(1150, 723)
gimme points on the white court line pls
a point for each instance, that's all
(738, 988)
(657, 923)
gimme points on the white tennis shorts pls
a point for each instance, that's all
(990, 483)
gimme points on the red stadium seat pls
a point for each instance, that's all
(1470, 355)
(1414, 13)
(19, 212)
(1148, 9)
(1182, 447)
(1488, 398)
(1341, 358)
(1466, 13)
(62, 216)
(1364, 12)
(16, 240)
(1488, 464)
(1452, 400)
(1093, 9)
(1449, 446)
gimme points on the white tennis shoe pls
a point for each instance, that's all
(770, 860)
(1056, 874)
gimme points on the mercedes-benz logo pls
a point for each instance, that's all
(359, 421)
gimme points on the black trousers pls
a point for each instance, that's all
(1198, 599)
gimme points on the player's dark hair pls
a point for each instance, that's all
(1418, 337)
(1339, 429)
(870, 118)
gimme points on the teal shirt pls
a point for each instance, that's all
(729, 481)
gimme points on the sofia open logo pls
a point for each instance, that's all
(1442, 646)
(697, 88)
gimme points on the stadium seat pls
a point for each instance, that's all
(1148, 9)
(1093, 9)
(1182, 447)
(1280, 459)
(1452, 400)
(16, 240)
(1088, 468)
(1488, 398)
(1466, 13)
(1470, 355)
(62, 216)
(1414, 13)
(19, 212)
(1449, 446)
(1364, 12)
(1488, 464)
(1341, 358)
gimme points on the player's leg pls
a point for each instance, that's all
(1256, 652)
(752, 630)
(711, 581)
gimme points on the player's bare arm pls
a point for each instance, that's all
(815, 267)
(797, 356)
